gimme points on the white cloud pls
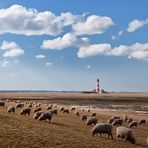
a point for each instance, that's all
(93, 50)
(4, 63)
(40, 56)
(122, 50)
(137, 51)
(48, 64)
(120, 33)
(20, 20)
(11, 49)
(136, 24)
(93, 25)
(68, 40)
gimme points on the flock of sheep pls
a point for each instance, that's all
(98, 127)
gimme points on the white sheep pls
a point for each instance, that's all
(132, 124)
(93, 115)
(19, 105)
(125, 133)
(102, 128)
(25, 111)
(91, 121)
(46, 116)
(11, 109)
(83, 117)
(37, 114)
(76, 113)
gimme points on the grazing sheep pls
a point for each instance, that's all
(30, 105)
(132, 124)
(25, 111)
(37, 109)
(83, 117)
(46, 116)
(65, 111)
(88, 110)
(77, 113)
(112, 119)
(117, 122)
(92, 121)
(142, 121)
(73, 108)
(54, 111)
(2, 103)
(102, 128)
(125, 133)
(83, 110)
(37, 114)
(93, 115)
(129, 120)
(49, 108)
(61, 109)
(125, 118)
(19, 105)
(11, 109)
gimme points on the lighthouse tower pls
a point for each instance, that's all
(97, 86)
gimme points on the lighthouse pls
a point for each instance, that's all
(97, 86)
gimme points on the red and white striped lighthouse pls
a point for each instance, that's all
(97, 86)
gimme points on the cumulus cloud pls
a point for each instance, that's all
(120, 33)
(137, 51)
(40, 56)
(93, 50)
(68, 40)
(93, 25)
(136, 24)
(20, 20)
(11, 49)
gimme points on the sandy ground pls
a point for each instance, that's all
(67, 130)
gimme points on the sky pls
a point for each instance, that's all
(67, 45)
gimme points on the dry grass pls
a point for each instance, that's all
(64, 131)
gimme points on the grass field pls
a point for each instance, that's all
(64, 131)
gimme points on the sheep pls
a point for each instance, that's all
(117, 122)
(83, 117)
(30, 105)
(125, 133)
(49, 108)
(73, 108)
(88, 110)
(125, 118)
(11, 109)
(129, 120)
(77, 113)
(133, 123)
(37, 109)
(61, 109)
(45, 116)
(93, 115)
(65, 111)
(2, 103)
(112, 119)
(142, 121)
(104, 128)
(54, 111)
(83, 110)
(19, 105)
(37, 114)
(92, 121)
(25, 111)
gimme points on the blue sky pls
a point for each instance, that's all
(66, 45)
